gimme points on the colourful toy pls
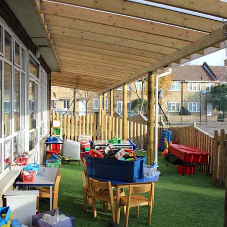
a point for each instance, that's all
(167, 147)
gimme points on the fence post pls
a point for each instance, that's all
(221, 158)
(68, 127)
(64, 122)
(215, 158)
(75, 127)
(87, 124)
(72, 128)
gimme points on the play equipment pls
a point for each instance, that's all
(167, 148)
(166, 134)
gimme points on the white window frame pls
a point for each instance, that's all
(95, 100)
(194, 104)
(139, 85)
(128, 87)
(173, 107)
(119, 102)
(63, 102)
(174, 86)
(194, 87)
(209, 86)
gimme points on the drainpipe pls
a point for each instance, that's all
(156, 114)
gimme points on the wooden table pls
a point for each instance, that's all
(121, 185)
(45, 178)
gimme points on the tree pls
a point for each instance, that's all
(85, 97)
(136, 105)
(219, 98)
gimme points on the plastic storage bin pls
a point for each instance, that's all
(15, 223)
(5, 216)
(188, 170)
(115, 140)
(115, 169)
(28, 176)
(53, 163)
(36, 220)
(52, 139)
(21, 161)
(149, 170)
(32, 167)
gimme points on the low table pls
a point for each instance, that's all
(104, 143)
(46, 178)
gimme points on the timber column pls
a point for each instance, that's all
(111, 103)
(150, 120)
(125, 124)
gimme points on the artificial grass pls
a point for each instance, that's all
(179, 200)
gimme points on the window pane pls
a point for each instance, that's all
(33, 67)
(8, 46)
(17, 53)
(7, 99)
(22, 101)
(32, 114)
(0, 102)
(52, 104)
(31, 140)
(16, 101)
(23, 59)
(1, 46)
(7, 154)
(1, 158)
(16, 152)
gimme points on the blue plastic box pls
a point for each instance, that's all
(52, 139)
(15, 223)
(115, 169)
(7, 212)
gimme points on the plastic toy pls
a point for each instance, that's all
(167, 147)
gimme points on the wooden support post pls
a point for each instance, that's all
(221, 159)
(72, 128)
(68, 127)
(79, 133)
(113, 127)
(111, 102)
(125, 125)
(104, 122)
(64, 123)
(94, 128)
(215, 158)
(104, 104)
(116, 127)
(150, 122)
(76, 126)
(120, 127)
(87, 125)
(60, 119)
(98, 125)
(91, 124)
(109, 127)
(83, 125)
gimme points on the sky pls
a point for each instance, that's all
(214, 59)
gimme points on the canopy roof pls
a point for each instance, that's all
(101, 44)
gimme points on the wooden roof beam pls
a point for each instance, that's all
(148, 12)
(120, 21)
(210, 7)
(205, 42)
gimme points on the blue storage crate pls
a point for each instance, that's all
(32, 167)
(115, 169)
(15, 223)
(52, 139)
(165, 134)
(7, 212)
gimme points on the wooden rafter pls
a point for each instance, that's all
(210, 7)
(118, 21)
(149, 13)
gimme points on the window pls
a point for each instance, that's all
(175, 86)
(23, 59)
(8, 46)
(33, 67)
(7, 99)
(128, 106)
(0, 106)
(139, 86)
(65, 103)
(16, 100)
(1, 50)
(119, 106)
(194, 106)
(7, 154)
(23, 94)
(1, 167)
(121, 88)
(173, 106)
(194, 87)
(95, 104)
(209, 86)
(16, 152)
(17, 54)
(106, 104)
(32, 105)
(53, 104)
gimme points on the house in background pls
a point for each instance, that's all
(62, 99)
(191, 88)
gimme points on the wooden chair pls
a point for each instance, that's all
(45, 192)
(86, 190)
(135, 199)
(104, 194)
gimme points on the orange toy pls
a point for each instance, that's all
(167, 147)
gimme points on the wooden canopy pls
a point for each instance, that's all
(102, 44)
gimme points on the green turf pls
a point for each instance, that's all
(188, 201)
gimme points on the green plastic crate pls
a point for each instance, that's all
(114, 140)
(53, 165)
(56, 131)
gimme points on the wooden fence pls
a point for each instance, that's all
(101, 127)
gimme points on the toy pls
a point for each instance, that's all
(166, 146)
